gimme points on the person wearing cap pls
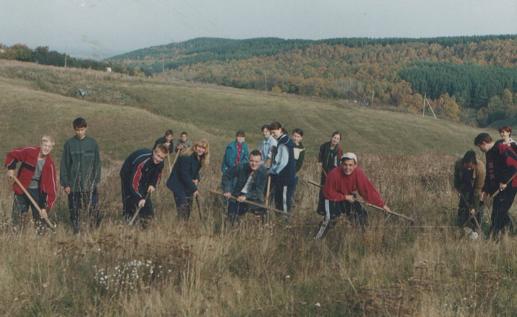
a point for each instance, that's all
(342, 186)
(236, 152)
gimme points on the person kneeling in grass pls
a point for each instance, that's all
(341, 188)
(247, 182)
(37, 174)
(139, 175)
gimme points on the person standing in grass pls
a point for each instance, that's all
(139, 176)
(328, 159)
(80, 174)
(236, 152)
(37, 174)
(182, 143)
(167, 139)
(342, 185)
(267, 145)
(184, 178)
(299, 157)
(469, 178)
(283, 168)
(506, 137)
(501, 168)
(247, 182)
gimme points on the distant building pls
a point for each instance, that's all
(108, 69)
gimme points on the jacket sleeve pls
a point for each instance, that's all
(257, 194)
(98, 164)
(227, 179)
(367, 191)
(15, 156)
(245, 153)
(226, 164)
(64, 171)
(322, 150)
(135, 176)
(281, 160)
(478, 183)
(299, 162)
(330, 191)
(49, 190)
(157, 175)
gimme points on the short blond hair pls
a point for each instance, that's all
(48, 139)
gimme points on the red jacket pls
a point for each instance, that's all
(338, 185)
(29, 158)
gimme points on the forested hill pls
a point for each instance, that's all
(472, 79)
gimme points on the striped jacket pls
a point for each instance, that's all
(139, 172)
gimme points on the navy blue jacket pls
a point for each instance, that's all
(185, 170)
(139, 172)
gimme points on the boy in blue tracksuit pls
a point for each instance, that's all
(236, 152)
(139, 175)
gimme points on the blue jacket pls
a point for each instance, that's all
(230, 155)
(139, 172)
(185, 170)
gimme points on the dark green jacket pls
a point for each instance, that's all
(80, 164)
(235, 178)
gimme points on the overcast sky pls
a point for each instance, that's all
(101, 28)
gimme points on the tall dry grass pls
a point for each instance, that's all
(175, 268)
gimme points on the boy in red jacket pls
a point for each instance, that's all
(37, 174)
(342, 186)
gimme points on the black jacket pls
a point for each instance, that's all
(185, 170)
(139, 172)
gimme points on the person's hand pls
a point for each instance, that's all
(472, 211)
(350, 198)
(386, 208)
(141, 203)
(44, 214)
(195, 181)
(67, 190)
(483, 196)
(227, 195)
(151, 189)
(10, 174)
(502, 187)
(241, 198)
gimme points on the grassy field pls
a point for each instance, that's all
(278, 269)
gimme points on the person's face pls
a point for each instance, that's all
(46, 147)
(266, 133)
(348, 166)
(277, 133)
(297, 138)
(241, 139)
(255, 162)
(158, 156)
(505, 134)
(469, 166)
(484, 147)
(80, 132)
(169, 137)
(200, 150)
(184, 138)
(335, 139)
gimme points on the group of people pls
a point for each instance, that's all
(261, 180)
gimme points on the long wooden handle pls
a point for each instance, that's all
(138, 209)
(508, 182)
(250, 202)
(47, 221)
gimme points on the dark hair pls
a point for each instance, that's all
(169, 132)
(256, 153)
(275, 125)
(79, 123)
(298, 131)
(469, 157)
(265, 126)
(240, 133)
(183, 133)
(505, 128)
(482, 138)
(162, 148)
(335, 133)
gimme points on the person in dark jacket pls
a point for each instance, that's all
(328, 159)
(236, 152)
(469, 178)
(37, 174)
(283, 168)
(247, 182)
(501, 168)
(80, 174)
(167, 139)
(299, 157)
(184, 178)
(139, 176)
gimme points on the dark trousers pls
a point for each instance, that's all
(283, 197)
(355, 212)
(501, 205)
(183, 204)
(237, 209)
(21, 206)
(130, 204)
(464, 213)
(321, 200)
(88, 201)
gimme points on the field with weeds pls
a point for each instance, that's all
(275, 268)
